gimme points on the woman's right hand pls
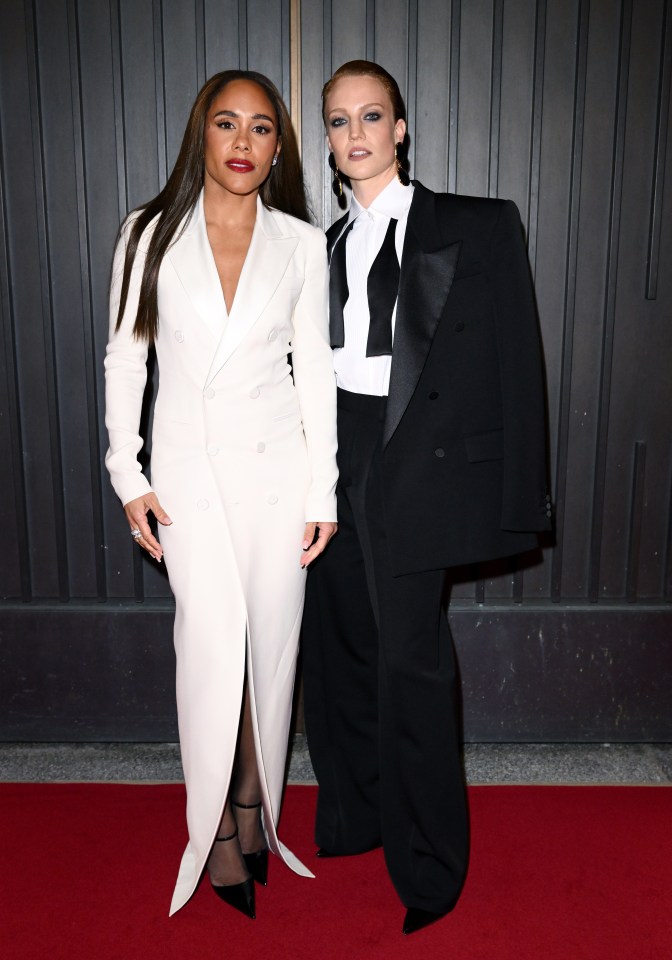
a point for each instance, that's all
(136, 513)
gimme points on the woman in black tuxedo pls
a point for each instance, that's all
(442, 462)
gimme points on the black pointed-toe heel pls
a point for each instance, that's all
(417, 919)
(240, 896)
(257, 862)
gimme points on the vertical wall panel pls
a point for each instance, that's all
(182, 53)
(473, 146)
(268, 41)
(642, 332)
(14, 564)
(221, 36)
(140, 93)
(27, 251)
(599, 124)
(516, 109)
(314, 151)
(350, 31)
(561, 371)
(664, 82)
(104, 175)
(70, 353)
(433, 79)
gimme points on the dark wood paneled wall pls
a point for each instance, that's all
(562, 105)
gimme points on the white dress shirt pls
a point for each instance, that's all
(354, 370)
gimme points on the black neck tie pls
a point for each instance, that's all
(381, 288)
(338, 289)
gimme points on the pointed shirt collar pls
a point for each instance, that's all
(393, 201)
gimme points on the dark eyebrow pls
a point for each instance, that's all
(232, 113)
(364, 106)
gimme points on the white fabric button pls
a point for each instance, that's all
(209, 393)
(370, 215)
(179, 336)
(203, 504)
(273, 335)
(213, 449)
(254, 393)
(261, 447)
(272, 499)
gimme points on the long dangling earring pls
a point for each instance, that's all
(336, 184)
(402, 176)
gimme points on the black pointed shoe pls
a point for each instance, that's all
(416, 919)
(240, 896)
(257, 862)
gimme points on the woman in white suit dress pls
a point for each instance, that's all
(221, 273)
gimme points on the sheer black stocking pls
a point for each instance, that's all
(225, 863)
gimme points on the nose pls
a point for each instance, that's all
(242, 141)
(355, 130)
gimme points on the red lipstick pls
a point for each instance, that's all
(240, 166)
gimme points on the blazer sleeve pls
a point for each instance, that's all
(525, 500)
(315, 381)
(125, 379)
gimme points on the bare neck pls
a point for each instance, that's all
(366, 191)
(225, 209)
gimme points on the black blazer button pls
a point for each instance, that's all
(433, 395)
(439, 452)
(459, 327)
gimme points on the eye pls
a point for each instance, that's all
(260, 128)
(225, 124)
(337, 121)
(373, 116)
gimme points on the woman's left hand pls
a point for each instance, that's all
(311, 550)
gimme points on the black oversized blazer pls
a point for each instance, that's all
(464, 448)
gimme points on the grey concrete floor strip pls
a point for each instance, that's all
(490, 763)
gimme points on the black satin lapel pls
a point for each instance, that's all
(426, 278)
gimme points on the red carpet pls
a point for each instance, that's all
(557, 873)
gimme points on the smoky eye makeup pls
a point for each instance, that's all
(370, 115)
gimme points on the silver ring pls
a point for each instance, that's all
(136, 534)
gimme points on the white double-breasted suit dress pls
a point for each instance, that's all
(243, 454)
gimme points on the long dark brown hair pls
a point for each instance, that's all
(283, 189)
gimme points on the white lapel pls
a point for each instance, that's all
(265, 264)
(191, 256)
